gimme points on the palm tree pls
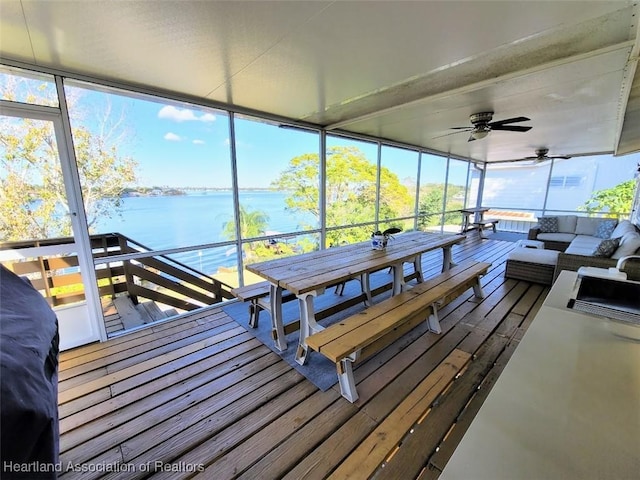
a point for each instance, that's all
(253, 223)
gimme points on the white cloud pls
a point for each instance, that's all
(170, 112)
(172, 137)
(198, 142)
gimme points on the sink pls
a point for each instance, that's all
(613, 298)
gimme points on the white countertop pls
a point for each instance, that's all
(566, 406)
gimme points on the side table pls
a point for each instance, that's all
(530, 244)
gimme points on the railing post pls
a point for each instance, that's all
(46, 280)
(105, 250)
(122, 243)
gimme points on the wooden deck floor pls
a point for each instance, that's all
(200, 397)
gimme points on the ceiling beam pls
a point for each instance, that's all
(628, 109)
(484, 83)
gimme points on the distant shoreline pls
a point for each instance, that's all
(177, 191)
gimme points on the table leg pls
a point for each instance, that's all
(447, 261)
(417, 266)
(277, 323)
(398, 278)
(466, 221)
(365, 286)
(308, 324)
(480, 218)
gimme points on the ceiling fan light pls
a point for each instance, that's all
(479, 134)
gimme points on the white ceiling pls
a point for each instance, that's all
(400, 70)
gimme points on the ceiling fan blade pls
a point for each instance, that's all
(563, 157)
(462, 128)
(453, 133)
(508, 120)
(511, 128)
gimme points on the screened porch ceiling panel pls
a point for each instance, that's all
(404, 71)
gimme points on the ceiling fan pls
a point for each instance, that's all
(482, 125)
(541, 156)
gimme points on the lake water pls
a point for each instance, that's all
(164, 222)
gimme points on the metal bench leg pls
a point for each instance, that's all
(254, 313)
(434, 322)
(340, 288)
(477, 289)
(346, 380)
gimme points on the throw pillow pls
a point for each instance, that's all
(548, 224)
(605, 228)
(606, 247)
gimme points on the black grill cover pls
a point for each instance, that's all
(28, 380)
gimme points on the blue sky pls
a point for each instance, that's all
(183, 145)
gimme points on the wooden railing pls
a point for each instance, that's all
(154, 277)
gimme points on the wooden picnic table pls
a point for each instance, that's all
(477, 212)
(309, 274)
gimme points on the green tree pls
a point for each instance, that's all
(350, 192)
(253, 223)
(430, 205)
(32, 194)
(431, 202)
(615, 201)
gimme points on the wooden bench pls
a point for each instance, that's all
(257, 294)
(482, 224)
(363, 334)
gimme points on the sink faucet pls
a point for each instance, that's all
(623, 260)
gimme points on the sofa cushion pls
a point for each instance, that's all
(587, 225)
(567, 223)
(548, 224)
(625, 226)
(534, 255)
(605, 228)
(556, 237)
(629, 244)
(583, 245)
(606, 247)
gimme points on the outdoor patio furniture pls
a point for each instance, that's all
(531, 264)
(365, 333)
(307, 275)
(530, 244)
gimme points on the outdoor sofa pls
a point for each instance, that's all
(571, 242)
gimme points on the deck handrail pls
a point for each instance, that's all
(194, 288)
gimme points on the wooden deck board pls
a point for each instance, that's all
(371, 453)
(196, 392)
(121, 408)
